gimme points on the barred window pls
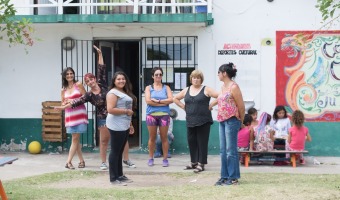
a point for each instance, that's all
(177, 56)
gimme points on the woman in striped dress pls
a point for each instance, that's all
(75, 118)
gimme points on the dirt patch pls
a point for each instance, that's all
(142, 180)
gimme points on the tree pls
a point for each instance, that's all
(15, 32)
(328, 7)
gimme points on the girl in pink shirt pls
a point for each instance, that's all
(245, 137)
(298, 134)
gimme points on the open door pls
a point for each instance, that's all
(124, 56)
(118, 56)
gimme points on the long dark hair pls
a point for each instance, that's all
(278, 109)
(63, 74)
(127, 87)
(247, 119)
(155, 69)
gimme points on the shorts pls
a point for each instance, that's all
(163, 120)
(101, 123)
(81, 128)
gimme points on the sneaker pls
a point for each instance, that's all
(232, 182)
(221, 182)
(124, 179)
(150, 162)
(165, 163)
(118, 183)
(158, 155)
(129, 163)
(103, 166)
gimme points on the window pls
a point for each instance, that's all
(177, 56)
(174, 52)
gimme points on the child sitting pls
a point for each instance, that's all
(159, 151)
(298, 134)
(264, 137)
(245, 136)
(253, 113)
(281, 124)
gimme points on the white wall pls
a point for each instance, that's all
(250, 22)
(28, 80)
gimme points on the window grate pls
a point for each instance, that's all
(177, 56)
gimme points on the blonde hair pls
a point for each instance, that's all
(197, 74)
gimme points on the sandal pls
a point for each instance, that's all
(81, 164)
(69, 166)
(199, 168)
(192, 166)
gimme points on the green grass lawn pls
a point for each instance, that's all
(66, 185)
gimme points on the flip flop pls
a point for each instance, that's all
(192, 166)
(199, 168)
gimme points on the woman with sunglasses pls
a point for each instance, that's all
(158, 97)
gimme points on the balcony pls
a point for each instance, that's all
(115, 11)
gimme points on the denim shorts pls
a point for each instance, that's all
(81, 128)
(101, 123)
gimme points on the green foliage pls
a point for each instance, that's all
(328, 7)
(15, 32)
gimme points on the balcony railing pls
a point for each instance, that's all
(89, 7)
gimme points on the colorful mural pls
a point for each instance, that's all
(308, 73)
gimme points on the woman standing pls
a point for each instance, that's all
(75, 118)
(97, 97)
(158, 97)
(230, 115)
(120, 102)
(198, 118)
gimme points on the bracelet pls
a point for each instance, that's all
(159, 101)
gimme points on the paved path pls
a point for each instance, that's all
(30, 165)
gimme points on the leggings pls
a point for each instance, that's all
(118, 141)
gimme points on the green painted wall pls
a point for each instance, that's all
(180, 144)
(24, 131)
(325, 137)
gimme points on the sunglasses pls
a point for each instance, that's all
(158, 74)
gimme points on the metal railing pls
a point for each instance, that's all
(101, 6)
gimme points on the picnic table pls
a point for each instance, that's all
(3, 162)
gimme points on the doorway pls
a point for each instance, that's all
(121, 55)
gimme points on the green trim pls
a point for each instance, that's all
(24, 131)
(121, 18)
(324, 137)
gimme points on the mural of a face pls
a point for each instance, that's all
(308, 65)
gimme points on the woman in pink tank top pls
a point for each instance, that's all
(230, 115)
(75, 118)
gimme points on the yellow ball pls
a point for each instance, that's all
(34, 147)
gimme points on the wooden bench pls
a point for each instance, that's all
(249, 154)
(4, 161)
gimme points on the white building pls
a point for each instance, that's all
(135, 36)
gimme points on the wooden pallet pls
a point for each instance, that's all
(53, 129)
